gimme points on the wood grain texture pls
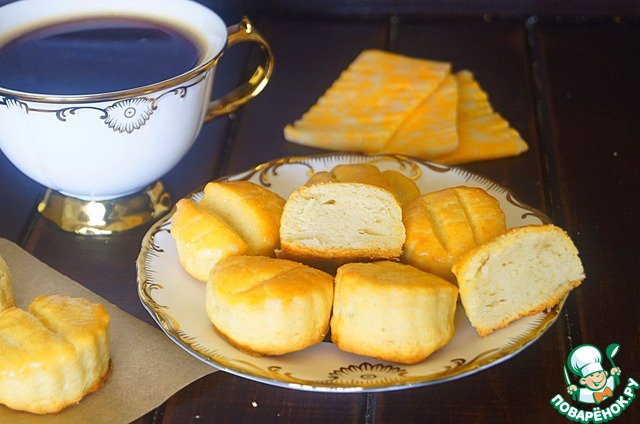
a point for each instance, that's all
(591, 90)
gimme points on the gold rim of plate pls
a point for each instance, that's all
(355, 373)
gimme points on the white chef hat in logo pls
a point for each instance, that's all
(585, 360)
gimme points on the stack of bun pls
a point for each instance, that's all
(52, 355)
(398, 259)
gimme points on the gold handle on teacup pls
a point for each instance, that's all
(244, 31)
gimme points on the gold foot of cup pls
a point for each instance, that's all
(107, 216)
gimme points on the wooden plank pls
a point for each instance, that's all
(224, 398)
(590, 84)
(440, 8)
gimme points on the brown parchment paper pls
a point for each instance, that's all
(147, 367)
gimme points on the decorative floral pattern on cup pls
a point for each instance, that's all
(130, 114)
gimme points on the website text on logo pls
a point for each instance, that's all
(595, 385)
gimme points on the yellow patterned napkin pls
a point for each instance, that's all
(482, 133)
(389, 103)
(368, 102)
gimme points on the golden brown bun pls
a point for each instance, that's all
(443, 225)
(404, 188)
(267, 306)
(341, 222)
(53, 355)
(251, 210)
(6, 293)
(392, 311)
(233, 218)
(522, 272)
(202, 238)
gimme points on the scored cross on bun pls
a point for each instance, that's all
(444, 224)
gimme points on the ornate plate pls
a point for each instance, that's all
(177, 301)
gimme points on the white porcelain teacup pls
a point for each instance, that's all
(98, 146)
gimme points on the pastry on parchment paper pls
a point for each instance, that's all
(54, 354)
(6, 293)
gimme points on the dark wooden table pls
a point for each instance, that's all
(568, 81)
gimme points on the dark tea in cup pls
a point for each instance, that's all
(96, 56)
